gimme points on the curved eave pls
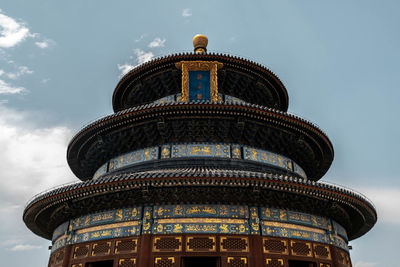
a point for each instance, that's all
(130, 117)
(350, 209)
(241, 64)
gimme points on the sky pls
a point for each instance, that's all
(61, 60)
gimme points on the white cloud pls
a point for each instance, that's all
(11, 32)
(22, 70)
(125, 68)
(187, 12)
(140, 38)
(1, 72)
(385, 201)
(32, 160)
(365, 264)
(44, 81)
(8, 89)
(157, 42)
(23, 247)
(42, 45)
(142, 56)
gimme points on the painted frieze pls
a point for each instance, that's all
(339, 230)
(60, 230)
(200, 150)
(200, 219)
(193, 211)
(105, 217)
(115, 230)
(137, 156)
(201, 226)
(102, 170)
(279, 215)
(211, 150)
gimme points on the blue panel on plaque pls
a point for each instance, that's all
(199, 85)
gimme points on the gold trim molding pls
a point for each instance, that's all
(285, 244)
(246, 240)
(158, 259)
(135, 241)
(213, 249)
(125, 260)
(243, 259)
(269, 260)
(179, 238)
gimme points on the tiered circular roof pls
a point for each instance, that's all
(239, 77)
(258, 120)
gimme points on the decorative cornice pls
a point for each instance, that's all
(259, 185)
(259, 114)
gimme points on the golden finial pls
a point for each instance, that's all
(200, 42)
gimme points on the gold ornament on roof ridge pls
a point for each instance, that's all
(200, 42)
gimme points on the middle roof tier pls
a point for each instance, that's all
(239, 123)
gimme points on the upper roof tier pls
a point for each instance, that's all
(238, 77)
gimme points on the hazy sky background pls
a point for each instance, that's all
(61, 60)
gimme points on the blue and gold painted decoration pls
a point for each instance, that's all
(114, 230)
(176, 98)
(279, 215)
(297, 169)
(287, 230)
(267, 157)
(102, 170)
(60, 230)
(201, 150)
(339, 230)
(206, 219)
(233, 100)
(147, 220)
(106, 217)
(340, 242)
(166, 99)
(254, 221)
(165, 152)
(201, 226)
(194, 211)
(219, 150)
(134, 157)
(199, 85)
(59, 243)
(236, 151)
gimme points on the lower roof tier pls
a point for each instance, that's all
(236, 123)
(200, 186)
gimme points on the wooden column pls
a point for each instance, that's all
(67, 256)
(145, 258)
(256, 254)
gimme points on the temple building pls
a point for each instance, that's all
(200, 165)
